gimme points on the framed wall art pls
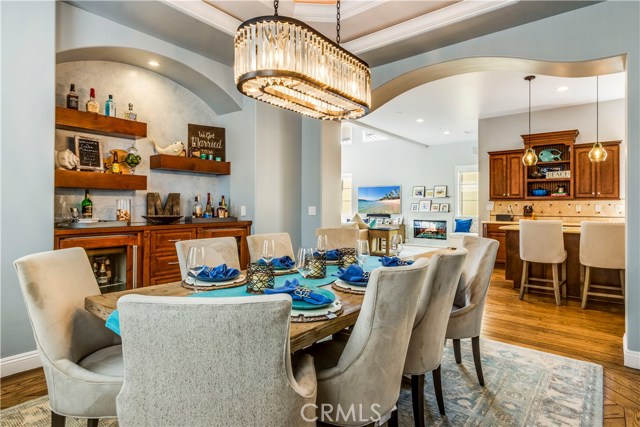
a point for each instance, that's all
(417, 192)
(425, 206)
(440, 191)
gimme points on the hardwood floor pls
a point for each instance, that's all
(593, 335)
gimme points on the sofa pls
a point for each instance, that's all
(455, 238)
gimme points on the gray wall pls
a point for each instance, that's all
(397, 162)
(26, 210)
(503, 133)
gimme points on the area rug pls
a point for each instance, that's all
(522, 388)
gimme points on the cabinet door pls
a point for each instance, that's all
(239, 233)
(608, 174)
(515, 176)
(492, 231)
(584, 177)
(497, 176)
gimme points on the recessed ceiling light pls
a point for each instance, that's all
(446, 132)
(420, 120)
(154, 63)
(563, 88)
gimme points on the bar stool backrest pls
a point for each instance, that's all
(602, 244)
(541, 241)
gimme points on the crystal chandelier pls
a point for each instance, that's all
(597, 153)
(286, 63)
(529, 158)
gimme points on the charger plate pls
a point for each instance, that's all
(343, 286)
(284, 272)
(211, 286)
(326, 313)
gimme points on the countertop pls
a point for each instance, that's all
(571, 229)
(515, 223)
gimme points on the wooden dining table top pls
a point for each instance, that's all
(301, 334)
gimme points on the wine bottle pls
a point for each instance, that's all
(72, 98)
(87, 205)
(110, 107)
(92, 105)
(197, 208)
(208, 212)
(102, 275)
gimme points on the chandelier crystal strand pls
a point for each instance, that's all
(284, 62)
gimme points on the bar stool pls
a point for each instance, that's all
(543, 242)
(602, 246)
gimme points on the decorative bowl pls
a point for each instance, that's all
(538, 192)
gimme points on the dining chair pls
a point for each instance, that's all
(543, 242)
(465, 320)
(212, 362)
(340, 237)
(82, 360)
(602, 246)
(365, 370)
(218, 250)
(425, 346)
(282, 243)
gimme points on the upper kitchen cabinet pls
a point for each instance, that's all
(506, 175)
(597, 180)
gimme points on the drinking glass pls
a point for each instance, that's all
(303, 263)
(363, 252)
(322, 244)
(268, 250)
(395, 246)
(195, 263)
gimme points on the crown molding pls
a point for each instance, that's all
(440, 18)
(322, 13)
(206, 13)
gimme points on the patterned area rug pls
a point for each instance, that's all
(523, 388)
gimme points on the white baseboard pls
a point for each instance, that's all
(631, 358)
(20, 363)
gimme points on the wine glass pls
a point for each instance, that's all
(303, 263)
(322, 244)
(396, 245)
(195, 263)
(268, 250)
(363, 252)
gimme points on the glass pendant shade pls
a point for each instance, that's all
(284, 62)
(597, 153)
(529, 158)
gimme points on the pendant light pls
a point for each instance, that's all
(286, 63)
(529, 158)
(598, 153)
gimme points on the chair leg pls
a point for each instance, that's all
(57, 420)
(622, 281)
(525, 277)
(437, 385)
(475, 345)
(393, 421)
(585, 287)
(556, 284)
(456, 351)
(92, 422)
(417, 398)
(564, 280)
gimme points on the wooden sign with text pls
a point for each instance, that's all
(206, 140)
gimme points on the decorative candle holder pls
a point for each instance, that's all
(347, 257)
(259, 278)
(317, 265)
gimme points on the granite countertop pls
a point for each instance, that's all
(566, 224)
(571, 229)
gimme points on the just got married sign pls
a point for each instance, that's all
(207, 140)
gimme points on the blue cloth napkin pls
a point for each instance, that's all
(113, 322)
(353, 273)
(332, 255)
(282, 263)
(393, 261)
(300, 293)
(219, 272)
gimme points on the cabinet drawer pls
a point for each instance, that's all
(165, 241)
(161, 280)
(164, 264)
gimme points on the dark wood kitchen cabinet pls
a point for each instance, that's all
(597, 180)
(506, 175)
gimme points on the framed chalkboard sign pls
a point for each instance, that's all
(89, 152)
(206, 140)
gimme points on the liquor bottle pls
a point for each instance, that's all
(208, 212)
(95, 269)
(115, 165)
(195, 205)
(93, 106)
(87, 206)
(107, 266)
(102, 275)
(222, 209)
(110, 107)
(131, 115)
(72, 98)
(197, 208)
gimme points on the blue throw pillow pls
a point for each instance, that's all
(463, 225)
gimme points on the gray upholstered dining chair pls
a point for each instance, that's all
(366, 369)
(217, 250)
(465, 320)
(425, 347)
(340, 237)
(282, 242)
(82, 360)
(212, 362)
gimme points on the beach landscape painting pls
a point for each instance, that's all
(379, 200)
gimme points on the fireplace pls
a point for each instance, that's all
(430, 229)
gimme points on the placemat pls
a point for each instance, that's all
(239, 281)
(325, 313)
(347, 288)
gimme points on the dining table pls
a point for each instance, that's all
(301, 334)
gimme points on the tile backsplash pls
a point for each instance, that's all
(567, 210)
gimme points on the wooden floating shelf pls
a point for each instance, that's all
(189, 164)
(557, 162)
(97, 180)
(95, 123)
(549, 197)
(549, 179)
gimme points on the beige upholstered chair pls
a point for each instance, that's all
(340, 237)
(212, 362)
(425, 347)
(543, 242)
(366, 369)
(602, 246)
(218, 250)
(282, 245)
(465, 320)
(82, 359)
